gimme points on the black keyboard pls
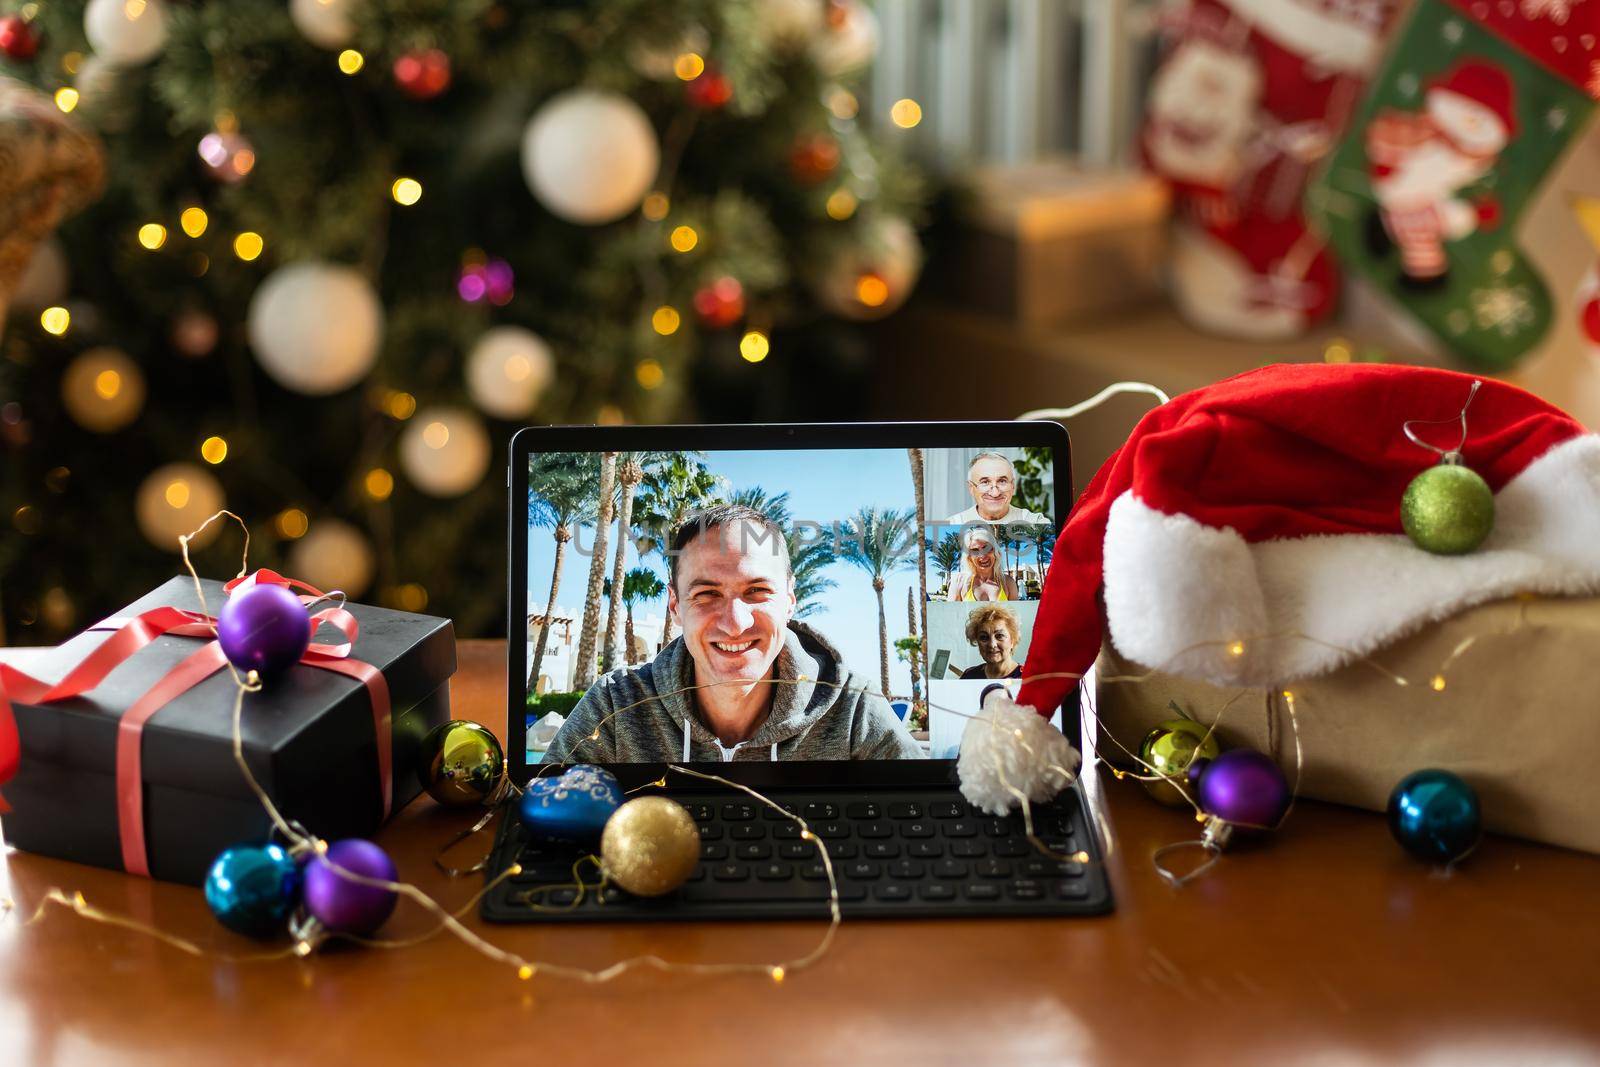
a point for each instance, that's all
(914, 854)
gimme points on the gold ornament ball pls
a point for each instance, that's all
(461, 763)
(650, 846)
(1447, 510)
(1169, 749)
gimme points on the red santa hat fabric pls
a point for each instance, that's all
(1249, 532)
(1485, 85)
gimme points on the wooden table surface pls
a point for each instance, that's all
(1324, 947)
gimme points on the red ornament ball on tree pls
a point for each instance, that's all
(720, 304)
(813, 158)
(1589, 319)
(710, 91)
(423, 74)
(18, 39)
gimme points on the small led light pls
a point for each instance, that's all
(412, 597)
(302, 949)
(214, 450)
(1337, 351)
(525, 972)
(777, 974)
(665, 320)
(649, 374)
(436, 435)
(807, 835)
(248, 245)
(177, 493)
(1437, 683)
(753, 346)
(843, 104)
(684, 239)
(152, 235)
(656, 206)
(379, 483)
(66, 98)
(513, 870)
(1236, 649)
(351, 61)
(194, 221)
(292, 523)
(688, 66)
(55, 320)
(872, 290)
(401, 406)
(841, 204)
(107, 384)
(406, 191)
(906, 113)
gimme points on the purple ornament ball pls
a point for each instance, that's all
(264, 629)
(1244, 787)
(342, 904)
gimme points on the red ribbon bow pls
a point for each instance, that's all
(129, 636)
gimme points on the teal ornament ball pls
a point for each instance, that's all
(461, 763)
(1447, 510)
(1435, 816)
(251, 889)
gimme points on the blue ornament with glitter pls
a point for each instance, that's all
(1435, 816)
(251, 889)
(571, 808)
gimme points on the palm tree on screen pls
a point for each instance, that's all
(808, 556)
(671, 491)
(639, 586)
(590, 631)
(632, 469)
(561, 494)
(877, 540)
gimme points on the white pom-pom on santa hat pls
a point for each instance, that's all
(1007, 749)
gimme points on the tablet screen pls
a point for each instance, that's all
(790, 604)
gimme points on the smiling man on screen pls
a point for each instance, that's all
(744, 681)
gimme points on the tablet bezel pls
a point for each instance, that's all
(755, 437)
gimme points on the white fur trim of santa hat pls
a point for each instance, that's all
(1181, 596)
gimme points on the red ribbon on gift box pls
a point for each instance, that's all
(128, 636)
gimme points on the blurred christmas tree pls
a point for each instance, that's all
(347, 246)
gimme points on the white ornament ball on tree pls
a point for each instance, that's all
(848, 41)
(333, 555)
(315, 327)
(508, 371)
(590, 157)
(126, 32)
(44, 280)
(873, 277)
(174, 500)
(103, 390)
(445, 451)
(789, 24)
(325, 23)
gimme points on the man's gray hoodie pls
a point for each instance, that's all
(820, 710)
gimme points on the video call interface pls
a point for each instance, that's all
(778, 605)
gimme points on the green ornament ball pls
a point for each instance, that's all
(1447, 510)
(1169, 749)
(462, 763)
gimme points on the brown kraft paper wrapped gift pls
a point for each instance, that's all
(1518, 717)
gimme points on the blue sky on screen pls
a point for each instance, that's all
(824, 486)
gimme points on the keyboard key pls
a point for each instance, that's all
(738, 812)
(786, 831)
(778, 892)
(952, 869)
(905, 811)
(980, 891)
(994, 869)
(713, 851)
(1027, 890)
(786, 814)
(881, 850)
(926, 849)
(814, 872)
(969, 849)
(1072, 891)
(820, 810)
(861, 870)
(906, 870)
(842, 850)
(1000, 827)
(936, 891)
(796, 850)
(558, 898)
(612, 895)
(916, 829)
(892, 891)
(945, 810)
(1013, 848)
(874, 829)
(711, 832)
(1052, 869)
(863, 809)
(698, 874)
(748, 831)
(775, 872)
(831, 829)
(542, 872)
(960, 828)
(701, 812)
(730, 872)
(753, 850)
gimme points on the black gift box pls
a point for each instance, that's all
(308, 738)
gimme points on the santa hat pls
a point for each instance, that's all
(1249, 532)
(1488, 87)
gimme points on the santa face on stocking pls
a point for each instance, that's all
(1421, 162)
(1202, 111)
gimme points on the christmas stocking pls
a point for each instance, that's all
(1250, 95)
(1477, 101)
